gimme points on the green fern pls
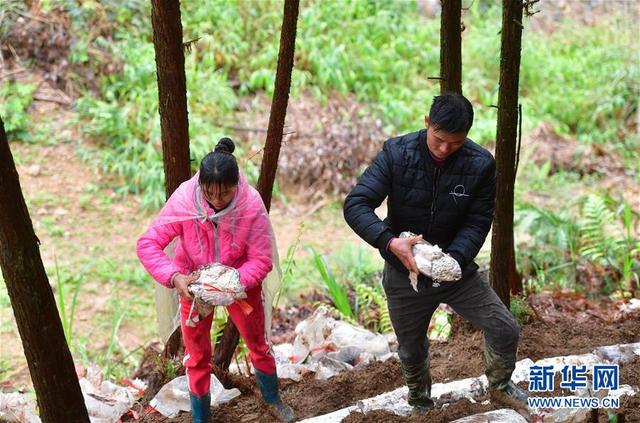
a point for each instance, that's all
(335, 312)
(608, 239)
(597, 243)
(380, 321)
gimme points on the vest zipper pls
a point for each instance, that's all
(216, 243)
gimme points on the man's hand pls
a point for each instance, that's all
(402, 248)
(181, 282)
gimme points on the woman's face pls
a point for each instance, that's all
(219, 195)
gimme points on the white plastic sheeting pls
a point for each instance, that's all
(496, 416)
(174, 396)
(471, 388)
(106, 402)
(326, 346)
(17, 408)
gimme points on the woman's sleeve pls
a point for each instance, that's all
(259, 255)
(150, 249)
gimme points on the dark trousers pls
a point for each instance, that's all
(472, 298)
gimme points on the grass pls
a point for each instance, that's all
(584, 82)
(94, 331)
(520, 309)
(67, 315)
(350, 278)
(5, 308)
(129, 305)
(337, 292)
(15, 99)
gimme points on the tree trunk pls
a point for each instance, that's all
(172, 99)
(504, 276)
(223, 352)
(230, 337)
(279, 103)
(50, 363)
(451, 47)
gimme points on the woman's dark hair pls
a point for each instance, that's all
(220, 166)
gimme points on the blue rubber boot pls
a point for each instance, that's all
(200, 407)
(268, 385)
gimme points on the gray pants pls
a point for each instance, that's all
(472, 298)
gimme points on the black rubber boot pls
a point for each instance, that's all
(268, 385)
(418, 380)
(200, 407)
(509, 391)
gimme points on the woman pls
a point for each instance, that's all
(216, 217)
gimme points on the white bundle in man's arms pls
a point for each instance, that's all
(433, 262)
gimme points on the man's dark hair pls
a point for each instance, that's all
(451, 112)
(220, 166)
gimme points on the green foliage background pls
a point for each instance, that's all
(582, 79)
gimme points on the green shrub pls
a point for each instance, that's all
(15, 99)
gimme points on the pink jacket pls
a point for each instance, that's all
(239, 236)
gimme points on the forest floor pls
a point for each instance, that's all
(565, 324)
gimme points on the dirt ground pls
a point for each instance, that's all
(459, 357)
(629, 407)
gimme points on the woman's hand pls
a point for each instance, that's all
(181, 282)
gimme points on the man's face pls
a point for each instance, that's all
(442, 144)
(219, 195)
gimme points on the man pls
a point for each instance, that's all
(440, 184)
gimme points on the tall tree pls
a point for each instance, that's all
(451, 47)
(172, 96)
(504, 275)
(224, 350)
(50, 363)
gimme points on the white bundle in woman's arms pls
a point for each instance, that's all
(433, 262)
(217, 284)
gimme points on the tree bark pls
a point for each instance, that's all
(504, 276)
(172, 99)
(229, 341)
(279, 103)
(172, 92)
(50, 362)
(451, 47)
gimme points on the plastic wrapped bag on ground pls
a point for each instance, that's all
(106, 402)
(346, 336)
(311, 334)
(16, 407)
(433, 262)
(286, 365)
(244, 222)
(328, 367)
(174, 396)
(353, 355)
(321, 334)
